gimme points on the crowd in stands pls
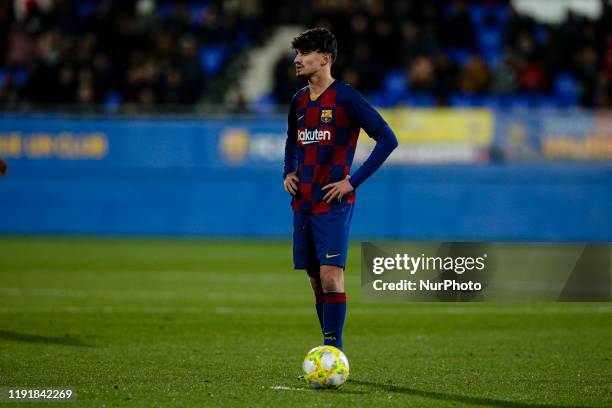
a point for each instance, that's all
(464, 53)
(132, 54)
(142, 53)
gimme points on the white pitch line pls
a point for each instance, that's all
(283, 388)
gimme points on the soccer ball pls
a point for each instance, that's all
(325, 367)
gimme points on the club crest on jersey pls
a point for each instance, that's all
(326, 115)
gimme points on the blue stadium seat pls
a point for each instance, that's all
(475, 100)
(540, 35)
(459, 55)
(196, 11)
(212, 58)
(566, 89)
(531, 100)
(395, 86)
(493, 58)
(490, 101)
(264, 105)
(382, 99)
(21, 75)
(548, 101)
(481, 14)
(477, 14)
(502, 14)
(460, 100)
(395, 81)
(490, 39)
(166, 9)
(112, 101)
(520, 101)
(419, 100)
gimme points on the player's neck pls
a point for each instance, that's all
(318, 83)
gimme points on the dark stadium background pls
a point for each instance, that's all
(168, 117)
(145, 235)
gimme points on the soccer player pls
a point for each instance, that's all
(325, 118)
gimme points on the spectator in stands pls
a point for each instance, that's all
(421, 74)
(475, 77)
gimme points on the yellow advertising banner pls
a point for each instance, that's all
(472, 127)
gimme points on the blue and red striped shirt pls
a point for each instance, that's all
(321, 140)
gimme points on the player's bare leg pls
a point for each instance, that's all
(334, 304)
(332, 278)
(317, 287)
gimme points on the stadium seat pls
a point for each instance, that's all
(477, 14)
(112, 101)
(502, 14)
(460, 100)
(196, 11)
(395, 81)
(548, 101)
(212, 58)
(395, 86)
(481, 14)
(490, 40)
(460, 55)
(166, 9)
(490, 101)
(567, 89)
(540, 34)
(520, 101)
(419, 100)
(21, 76)
(264, 105)
(380, 99)
(493, 58)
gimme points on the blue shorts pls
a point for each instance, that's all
(321, 239)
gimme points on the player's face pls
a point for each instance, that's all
(308, 63)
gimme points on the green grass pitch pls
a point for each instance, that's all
(202, 323)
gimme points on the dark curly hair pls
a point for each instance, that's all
(316, 39)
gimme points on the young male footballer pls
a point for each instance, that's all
(325, 118)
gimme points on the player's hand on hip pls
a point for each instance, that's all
(337, 190)
(291, 183)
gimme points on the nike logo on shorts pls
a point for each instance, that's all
(327, 256)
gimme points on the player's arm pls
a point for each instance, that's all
(376, 127)
(290, 180)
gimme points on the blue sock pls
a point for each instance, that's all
(334, 313)
(319, 307)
